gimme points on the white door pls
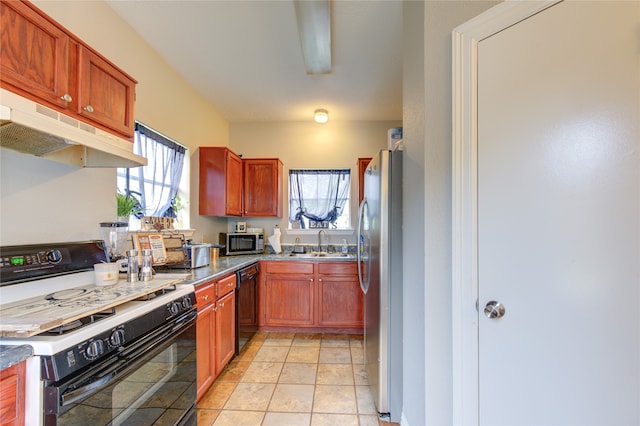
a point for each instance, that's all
(558, 217)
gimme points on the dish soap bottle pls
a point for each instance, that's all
(345, 247)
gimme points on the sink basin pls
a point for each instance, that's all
(323, 255)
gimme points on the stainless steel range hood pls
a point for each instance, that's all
(31, 128)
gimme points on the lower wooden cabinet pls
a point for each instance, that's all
(340, 298)
(225, 321)
(12, 395)
(311, 295)
(215, 330)
(289, 299)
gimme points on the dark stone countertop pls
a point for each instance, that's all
(14, 354)
(228, 264)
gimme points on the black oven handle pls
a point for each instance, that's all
(129, 362)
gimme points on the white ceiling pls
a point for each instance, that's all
(245, 56)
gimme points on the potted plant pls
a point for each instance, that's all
(127, 206)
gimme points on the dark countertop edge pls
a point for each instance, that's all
(11, 355)
(229, 264)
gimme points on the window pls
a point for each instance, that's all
(319, 199)
(157, 186)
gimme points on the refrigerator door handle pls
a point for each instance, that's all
(360, 248)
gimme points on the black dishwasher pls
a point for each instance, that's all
(246, 305)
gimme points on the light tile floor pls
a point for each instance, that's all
(292, 379)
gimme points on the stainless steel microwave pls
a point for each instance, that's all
(242, 243)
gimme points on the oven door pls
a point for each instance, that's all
(152, 382)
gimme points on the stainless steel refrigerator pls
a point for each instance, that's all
(380, 273)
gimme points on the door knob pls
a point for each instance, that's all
(494, 309)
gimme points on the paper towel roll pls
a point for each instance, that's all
(274, 240)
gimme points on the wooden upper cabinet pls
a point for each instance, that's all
(220, 182)
(262, 187)
(34, 55)
(42, 61)
(362, 166)
(232, 186)
(105, 95)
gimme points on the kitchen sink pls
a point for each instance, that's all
(314, 255)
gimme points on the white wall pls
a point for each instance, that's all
(413, 215)
(427, 207)
(337, 144)
(43, 201)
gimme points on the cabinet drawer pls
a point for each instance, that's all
(226, 285)
(205, 295)
(338, 268)
(289, 267)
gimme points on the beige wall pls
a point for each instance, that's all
(310, 145)
(42, 201)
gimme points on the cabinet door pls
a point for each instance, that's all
(225, 346)
(205, 355)
(340, 301)
(106, 95)
(205, 333)
(289, 299)
(34, 55)
(262, 187)
(234, 185)
(362, 166)
(12, 381)
(220, 182)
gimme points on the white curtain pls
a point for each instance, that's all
(159, 180)
(318, 195)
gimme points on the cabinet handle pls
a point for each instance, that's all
(310, 280)
(88, 108)
(205, 297)
(66, 97)
(221, 305)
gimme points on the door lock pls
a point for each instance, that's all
(494, 309)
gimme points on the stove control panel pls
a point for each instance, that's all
(30, 262)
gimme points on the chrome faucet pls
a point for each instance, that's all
(320, 232)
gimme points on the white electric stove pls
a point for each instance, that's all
(88, 340)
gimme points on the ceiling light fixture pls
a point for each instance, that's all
(314, 27)
(321, 116)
